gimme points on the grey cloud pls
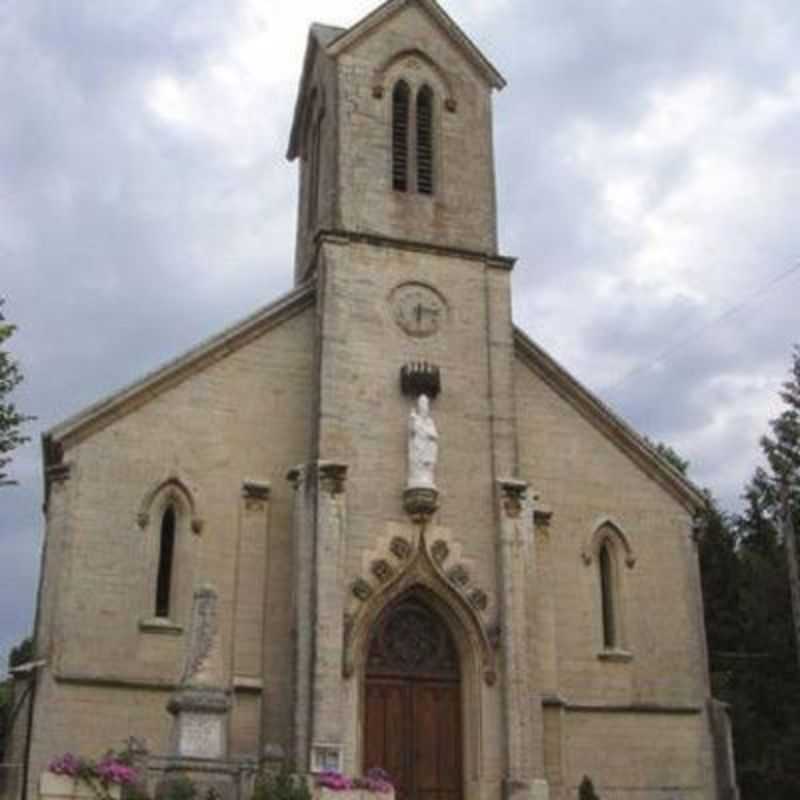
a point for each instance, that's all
(125, 240)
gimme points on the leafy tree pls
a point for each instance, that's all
(22, 653)
(11, 420)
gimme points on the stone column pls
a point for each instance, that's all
(524, 771)
(328, 689)
(302, 608)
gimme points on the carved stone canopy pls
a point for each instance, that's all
(420, 377)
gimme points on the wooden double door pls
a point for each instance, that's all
(412, 725)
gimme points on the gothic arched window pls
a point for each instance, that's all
(166, 557)
(400, 109)
(605, 561)
(425, 141)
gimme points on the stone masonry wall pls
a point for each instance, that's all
(585, 479)
(242, 418)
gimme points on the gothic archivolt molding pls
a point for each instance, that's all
(411, 57)
(459, 604)
(173, 488)
(607, 528)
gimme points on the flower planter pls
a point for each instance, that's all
(323, 793)
(64, 787)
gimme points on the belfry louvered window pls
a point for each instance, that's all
(400, 109)
(425, 141)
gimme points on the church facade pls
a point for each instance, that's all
(434, 551)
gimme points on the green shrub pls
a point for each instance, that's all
(586, 790)
(281, 785)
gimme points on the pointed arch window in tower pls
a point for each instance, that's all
(166, 557)
(425, 141)
(606, 565)
(400, 109)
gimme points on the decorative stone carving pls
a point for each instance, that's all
(514, 493)
(423, 446)
(542, 517)
(459, 575)
(440, 551)
(332, 477)
(296, 476)
(400, 548)
(419, 378)
(203, 666)
(256, 494)
(382, 570)
(361, 590)
(421, 504)
(479, 599)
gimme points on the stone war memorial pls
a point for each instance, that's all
(374, 525)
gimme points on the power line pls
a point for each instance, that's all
(730, 312)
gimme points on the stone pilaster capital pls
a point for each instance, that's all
(332, 477)
(256, 490)
(513, 495)
(297, 476)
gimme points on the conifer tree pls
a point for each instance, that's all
(782, 449)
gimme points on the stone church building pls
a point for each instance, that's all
(434, 551)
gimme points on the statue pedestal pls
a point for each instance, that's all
(421, 502)
(200, 728)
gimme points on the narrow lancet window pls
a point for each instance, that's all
(425, 141)
(165, 561)
(607, 597)
(400, 103)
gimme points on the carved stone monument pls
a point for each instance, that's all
(200, 706)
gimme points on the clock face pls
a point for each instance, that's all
(418, 309)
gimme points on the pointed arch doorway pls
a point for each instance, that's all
(412, 709)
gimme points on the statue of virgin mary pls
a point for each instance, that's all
(423, 446)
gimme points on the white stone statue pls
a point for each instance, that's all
(423, 446)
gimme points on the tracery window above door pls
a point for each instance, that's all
(411, 639)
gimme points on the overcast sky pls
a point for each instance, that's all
(648, 179)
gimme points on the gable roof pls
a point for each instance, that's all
(151, 385)
(609, 423)
(333, 41)
(440, 16)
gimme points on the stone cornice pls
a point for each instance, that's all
(492, 260)
(601, 416)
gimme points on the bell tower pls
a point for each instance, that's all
(397, 227)
(393, 131)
